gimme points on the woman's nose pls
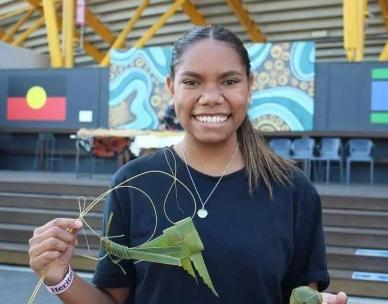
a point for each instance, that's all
(211, 96)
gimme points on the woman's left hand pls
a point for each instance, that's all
(340, 298)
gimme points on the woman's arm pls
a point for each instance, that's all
(83, 293)
(51, 248)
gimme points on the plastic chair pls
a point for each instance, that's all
(331, 150)
(303, 149)
(45, 147)
(359, 150)
(281, 146)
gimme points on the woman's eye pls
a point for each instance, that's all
(190, 82)
(230, 82)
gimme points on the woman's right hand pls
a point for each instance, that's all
(52, 246)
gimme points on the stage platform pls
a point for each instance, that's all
(355, 219)
(66, 178)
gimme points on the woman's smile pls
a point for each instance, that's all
(212, 119)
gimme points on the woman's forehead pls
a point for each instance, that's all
(210, 54)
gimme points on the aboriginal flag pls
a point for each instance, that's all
(40, 98)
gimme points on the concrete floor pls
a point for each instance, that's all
(17, 284)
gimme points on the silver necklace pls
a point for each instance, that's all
(202, 212)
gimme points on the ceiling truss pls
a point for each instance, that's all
(62, 52)
(384, 12)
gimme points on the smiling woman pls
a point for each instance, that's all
(210, 99)
(259, 217)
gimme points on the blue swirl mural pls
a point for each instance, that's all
(302, 60)
(138, 98)
(283, 97)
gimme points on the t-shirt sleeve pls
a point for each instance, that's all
(109, 273)
(308, 263)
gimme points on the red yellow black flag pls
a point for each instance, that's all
(36, 98)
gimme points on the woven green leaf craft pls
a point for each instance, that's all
(179, 245)
(305, 295)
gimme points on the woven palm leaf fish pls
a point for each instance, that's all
(179, 245)
(305, 295)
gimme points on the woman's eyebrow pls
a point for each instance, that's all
(231, 73)
(223, 75)
(191, 74)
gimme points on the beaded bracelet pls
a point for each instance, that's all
(63, 285)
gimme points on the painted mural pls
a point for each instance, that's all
(283, 97)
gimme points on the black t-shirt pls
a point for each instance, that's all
(256, 249)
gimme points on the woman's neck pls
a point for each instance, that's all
(211, 159)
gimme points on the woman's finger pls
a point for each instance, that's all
(65, 223)
(50, 244)
(53, 232)
(40, 262)
(342, 298)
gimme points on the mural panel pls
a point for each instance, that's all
(283, 97)
(379, 96)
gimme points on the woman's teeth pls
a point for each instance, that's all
(212, 119)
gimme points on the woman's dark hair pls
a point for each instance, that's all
(261, 164)
(216, 32)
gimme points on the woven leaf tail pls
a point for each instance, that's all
(186, 264)
(200, 266)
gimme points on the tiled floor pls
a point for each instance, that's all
(18, 283)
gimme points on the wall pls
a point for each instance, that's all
(19, 58)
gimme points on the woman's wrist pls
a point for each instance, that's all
(55, 274)
(63, 285)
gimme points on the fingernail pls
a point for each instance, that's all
(77, 223)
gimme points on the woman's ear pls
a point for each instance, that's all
(251, 81)
(170, 89)
(170, 85)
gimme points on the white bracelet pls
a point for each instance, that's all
(63, 285)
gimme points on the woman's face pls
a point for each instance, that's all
(210, 91)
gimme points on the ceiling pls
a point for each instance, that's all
(278, 20)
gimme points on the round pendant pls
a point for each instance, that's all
(202, 213)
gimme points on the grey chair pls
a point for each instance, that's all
(303, 149)
(45, 149)
(360, 150)
(331, 150)
(281, 147)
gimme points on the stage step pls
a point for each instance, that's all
(49, 187)
(356, 237)
(44, 201)
(17, 233)
(355, 218)
(357, 259)
(17, 254)
(354, 202)
(38, 217)
(345, 280)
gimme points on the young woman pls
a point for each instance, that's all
(258, 217)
